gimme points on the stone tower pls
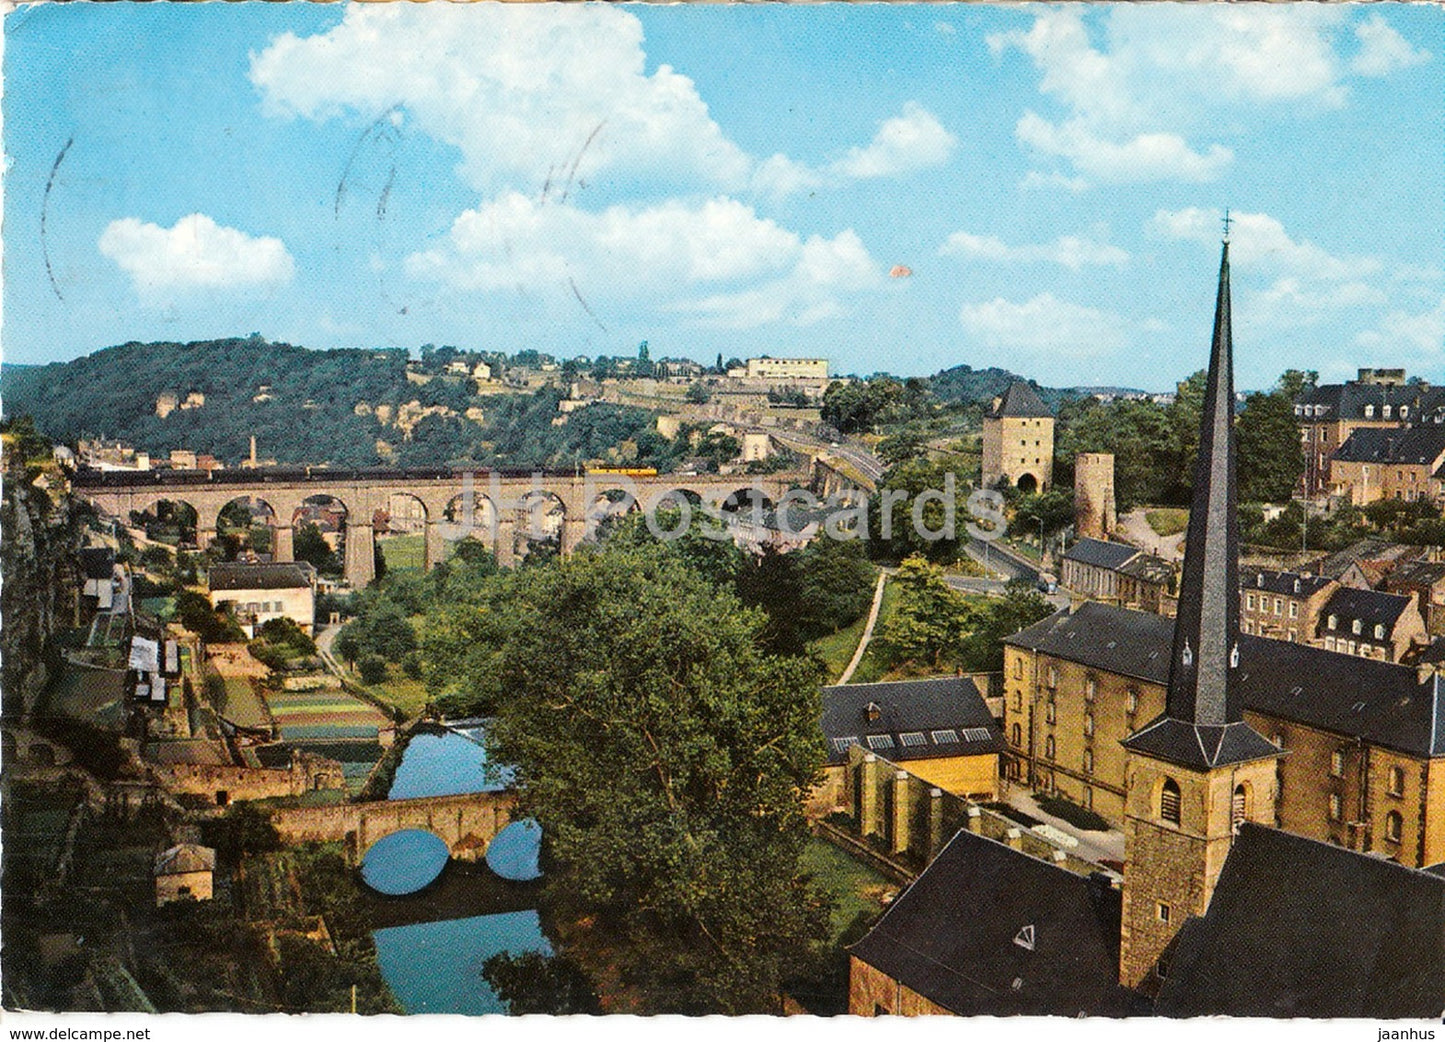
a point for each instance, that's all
(1094, 495)
(1018, 440)
(1196, 771)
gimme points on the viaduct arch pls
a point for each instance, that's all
(467, 823)
(362, 493)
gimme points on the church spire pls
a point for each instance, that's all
(1202, 720)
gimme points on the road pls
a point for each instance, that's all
(1003, 568)
(864, 461)
(1134, 526)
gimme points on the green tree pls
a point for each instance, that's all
(1270, 459)
(309, 545)
(929, 617)
(981, 650)
(666, 759)
(697, 394)
(551, 985)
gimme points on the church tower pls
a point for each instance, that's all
(1198, 770)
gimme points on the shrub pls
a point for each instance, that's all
(372, 669)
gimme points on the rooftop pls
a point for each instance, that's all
(1020, 400)
(1413, 445)
(909, 719)
(1371, 607)
(278, 575)
(1101, 554)
(183, 858)
(1288, 584)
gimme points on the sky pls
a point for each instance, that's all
(893, 187)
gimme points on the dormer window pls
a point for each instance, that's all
(1259, 579)
(1369, 412)
(1356, 626)
(1296, 587)
(1386, 412)
(1334, 621)
(874, 711)
(1404, 411)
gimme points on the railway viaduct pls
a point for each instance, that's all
(504, 506)
(467, 823)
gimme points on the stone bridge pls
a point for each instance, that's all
(504, 506)
(467, 823)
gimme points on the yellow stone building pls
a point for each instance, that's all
(1018, 441)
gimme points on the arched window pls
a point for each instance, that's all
(1018, 735)
(1088, 761)
(1049, 747)
(1397, 781)
(1169, 801)
(1239, 807)
(1393, 826)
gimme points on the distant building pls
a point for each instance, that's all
(1018, 441)
(183, 872)
(262, 592)
(787, 369)
(1120, 574)
(1371, 624)
(97, 564)
(1283, 605)
(1425, 581)
(1094, 509)
(1375, 464)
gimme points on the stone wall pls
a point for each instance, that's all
(227, 784)
(1094, 510)
(467, 823)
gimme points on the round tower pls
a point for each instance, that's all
(1094, 516)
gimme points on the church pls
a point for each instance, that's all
(1224, 909)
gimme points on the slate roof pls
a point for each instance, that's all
(1347, 401)
(97, 562)
(1382, 702)
(1148, 568)
(987, 930)
(1299, 928)
(278, 575)
(1413, 445)
(1020, 400)
(185, 857)
(925, 711)
(1371, 607)
(1417, 573)
(1369, 548)
(1101, 554)
(1288, 584)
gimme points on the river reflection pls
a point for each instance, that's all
(437, 967)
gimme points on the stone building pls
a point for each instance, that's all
(1425, 581)
(184, 872)
(1375, 464)
(1283, 605)
(1018, 441)
(1094, 508)
(1371, 624)
(262, 592)
(1120, 574)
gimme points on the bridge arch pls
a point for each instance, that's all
(160, 514)
(400, 524)
(238, 520)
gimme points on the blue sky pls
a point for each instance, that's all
(751, 179)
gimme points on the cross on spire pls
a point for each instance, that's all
(1227, 222)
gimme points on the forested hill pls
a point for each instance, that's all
(346, 407)
(965, 384)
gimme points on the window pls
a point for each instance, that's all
(1393, 826)
(1369, 412)
(1404, 411)
(1239, 807)
(1337, 763)
(1018, 669)
(1379, 631)
(1386, 411)
(1089, 688)
(1356, 626)
(1329, 643)
(1249, 601)
(1018, 734)
(1053, 678)
(1163, 912)
(880, 741)
(1334, 622)
(1019, 701)
(1169, 801)
(1294, 609)
(1396, 785)
(1049, 747)
(912, 739)
(976, 734)
(841, 745)
(1088, 761)
(1337, 806)
(1131, 701)
(1087, 798)
(1088, 725)
(949, 735)
(1278, 605)
(1049, 713)
(1294, 635)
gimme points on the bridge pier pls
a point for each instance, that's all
(282, 548)
(360, 554)
(436, 545)
(574, 530)
(204, 538)
(506, 544)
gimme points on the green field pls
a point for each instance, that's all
(400, 690)
(1167, 521)
(403, 551)
(873, 666)
(856, 888)
(836, 649)
(244, 704)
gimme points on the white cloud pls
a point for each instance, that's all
(195, 253)
(718, 259)
(1152, 77)
(1259, 241)
(1035, 179)
(1383, 50)
(1069, 250)
(521, 91)
(1422, 332)
(1045, 325)
(910, 141)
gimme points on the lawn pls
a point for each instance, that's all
(836, 649)
(856, 888)
(403, 551)
(1167, 521)
(244, 705)
(873, 666)
(400, 690)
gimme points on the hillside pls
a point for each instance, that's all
(344, 407)
(965, 384)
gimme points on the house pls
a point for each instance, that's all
(940, 728)
(259, 593)
(97, 564)
(1425, 581)
(184, 872)
(1120, 573)
(1282, 605)
(1329, 414)
(1018, 441)
(1376, 463)
(1370, 624)
(1282, 903)
(787, 368)
(988, 930)
(1146, 581)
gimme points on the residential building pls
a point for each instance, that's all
(1118, 573)
(1371, 624)
(1375, 464)
(259, 593)
(1018, 441)
(787, 368)
(940, 728)
(1329, 414)
(184, 872)
(97, 564)
(1283, 605)
(1425, 581)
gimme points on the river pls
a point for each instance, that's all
(436, 921)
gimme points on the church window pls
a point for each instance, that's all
(1049, 747)
(1393, 825)
(1169, 801)
(1239, 807)
(1131, 701)
(1397, 781)
(1337, 763)
(1337, 806)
